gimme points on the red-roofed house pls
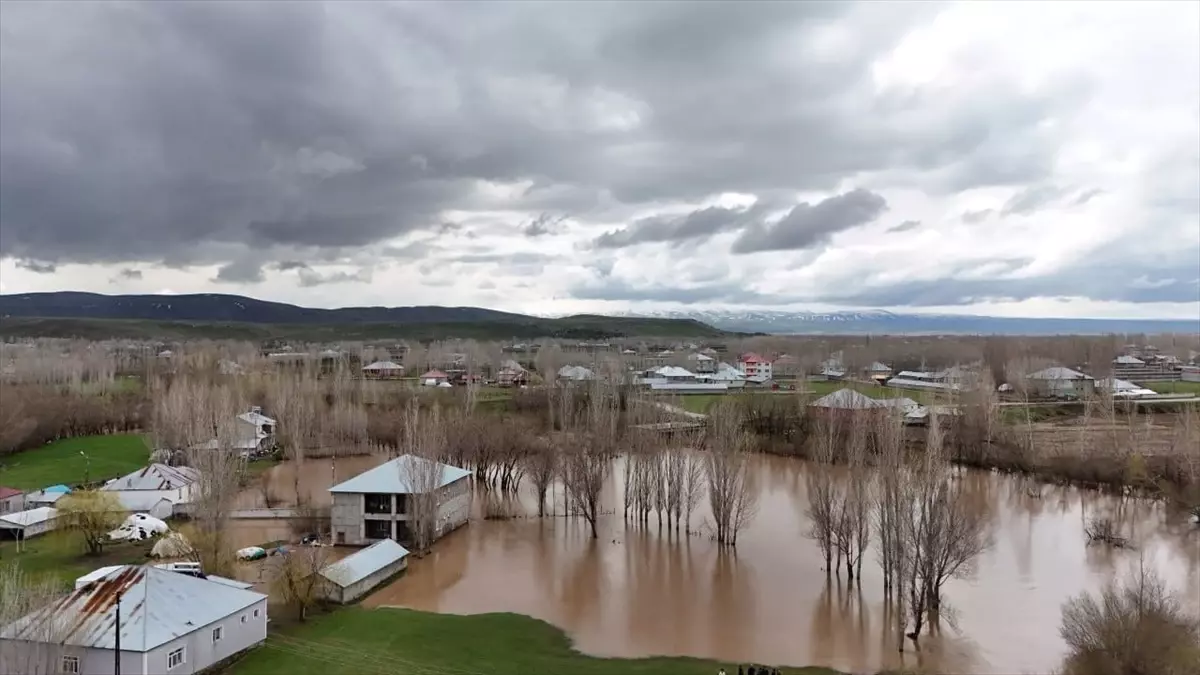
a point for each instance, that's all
(11, 500)
(434, 377)
(756, 368)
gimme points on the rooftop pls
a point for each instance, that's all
(384, 365)
(156, 606)
(362, 564)
(846, 399)
(6, 492)
(31, 517)
(398, 477)
(156, 477)
(1058, 373)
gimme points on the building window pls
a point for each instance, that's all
(70, 664)
(379, 529)
(243, 618)
(256, 613)
(378, 504)
(218, 633)
(175, 658)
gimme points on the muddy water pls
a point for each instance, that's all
(637, 592)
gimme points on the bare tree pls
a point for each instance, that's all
(586, 464)
(821, 489)
(422, 468)
(731, 497)
(298, 582)
(37, 631)
(542, 466)
(1135, 627)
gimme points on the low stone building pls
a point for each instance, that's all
(377, 504)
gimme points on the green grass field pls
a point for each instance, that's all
(60, 555)
(354, 641)
(61, 462)
(1175, 387)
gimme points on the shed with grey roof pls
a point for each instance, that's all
(359, 573)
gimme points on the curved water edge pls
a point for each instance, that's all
(638, 591)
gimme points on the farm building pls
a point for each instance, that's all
(1059, 382)
(46, 497)
(28, 524)
(1123, 388)
(359, 573)
(11, 500)
(878, 371)
(726, 374)
(145, 487)
(168, 623)
(383, 370)
(377, 504)
(846, 399)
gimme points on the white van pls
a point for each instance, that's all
(192, 568)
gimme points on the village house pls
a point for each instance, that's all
(878, 371)
(511, 374)
(575, 374)
(1059, 382)
(145, 489)
(11, 500)
(377, 504)
(756, 368)
(786, 366)
(702, 363)
(383, 370)
(725, 374)
(359, 573)
(434, 378)
(168, 622)
(46, 497)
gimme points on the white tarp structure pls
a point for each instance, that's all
(139, 527)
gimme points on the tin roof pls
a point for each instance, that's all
(1058, 373)
(397, 476)
(23, 519)
(362, 564)
(384, 365)
(156, 606)
(846, 399)
(155, 477)
(6, 492)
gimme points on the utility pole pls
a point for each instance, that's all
(87, 469)
(117, 646)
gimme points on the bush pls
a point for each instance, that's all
(1138, 628)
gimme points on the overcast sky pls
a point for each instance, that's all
(1029, 159)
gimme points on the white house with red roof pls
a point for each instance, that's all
(756, 367)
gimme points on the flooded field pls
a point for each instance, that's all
(637, 592)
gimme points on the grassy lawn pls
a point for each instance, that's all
(60, 462)
(1175, 387)
(354, 640)
(60, 554)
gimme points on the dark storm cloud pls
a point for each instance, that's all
(698, 224)
(906, 226)
(36, 266)
(130, 274)
(286, 265)
(241, 271)
(194, 132)
(543, 224)
(809, 224)
(310, 277)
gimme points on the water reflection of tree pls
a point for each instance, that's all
(732, 620)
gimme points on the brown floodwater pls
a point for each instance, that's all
(637, 591)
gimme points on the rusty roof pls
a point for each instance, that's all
(156, 607)
(6, 492)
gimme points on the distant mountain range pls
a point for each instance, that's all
(881, 322)
(218, 316)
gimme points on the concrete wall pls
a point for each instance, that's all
(347, 514)
(13, 504)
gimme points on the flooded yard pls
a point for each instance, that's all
(640, 591)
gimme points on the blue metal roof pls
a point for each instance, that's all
(362, 564)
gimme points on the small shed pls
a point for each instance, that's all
(359, 573)
(47, 497)
(434, 377)
(31, 523)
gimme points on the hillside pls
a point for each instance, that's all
(211, 316)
